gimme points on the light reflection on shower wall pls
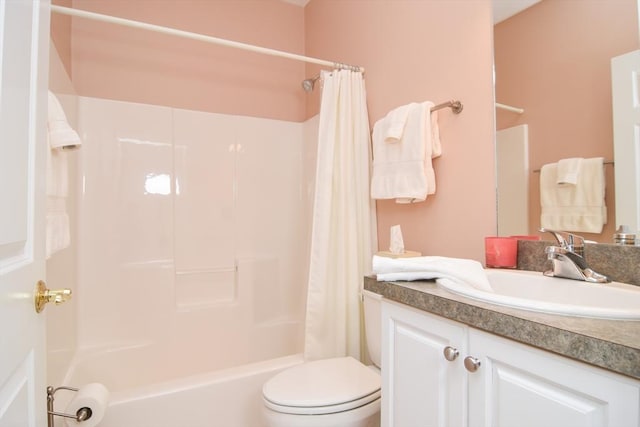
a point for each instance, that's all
(193, 237)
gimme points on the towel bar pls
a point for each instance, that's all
(456, 106)
(609, 162)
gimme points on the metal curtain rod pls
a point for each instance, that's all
(201, 37)
(456, 106)
(509, 108)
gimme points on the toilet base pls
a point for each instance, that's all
(364, 416)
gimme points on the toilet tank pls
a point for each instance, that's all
(373, 324)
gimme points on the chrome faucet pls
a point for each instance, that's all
(568, 258)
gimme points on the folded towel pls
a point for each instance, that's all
(568, 170)
(403, 170)
(60, 136)
(460, 271)
(579, 207)
(392, 127)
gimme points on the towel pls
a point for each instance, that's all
(457, 270)
(402, 167)
(60, 136)
(579, 207)
(568, 170)
(392, 127)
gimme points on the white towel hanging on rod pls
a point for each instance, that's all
(509, 108)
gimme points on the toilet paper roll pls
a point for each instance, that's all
(94, 396)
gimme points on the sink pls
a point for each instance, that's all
(533, 291)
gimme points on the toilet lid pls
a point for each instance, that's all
(329, 385)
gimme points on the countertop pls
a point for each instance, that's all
(610, 344)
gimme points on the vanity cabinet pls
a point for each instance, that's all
(492, 382)
(420, 386)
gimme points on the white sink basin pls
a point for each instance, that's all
(533, 291)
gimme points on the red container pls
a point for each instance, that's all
(501, 252)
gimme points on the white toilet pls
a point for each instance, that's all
(338, 392)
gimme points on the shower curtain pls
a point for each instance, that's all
(343, 232)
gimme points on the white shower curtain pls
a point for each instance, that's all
(343, 233)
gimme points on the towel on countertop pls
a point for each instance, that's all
(60, 136)
(402, 155)
(568, 171)
(579, 207)
(458, 270)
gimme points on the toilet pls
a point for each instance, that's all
(336, 392)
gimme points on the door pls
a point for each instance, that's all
(423, 381)
(625, 81)
(512, 159)
(24, 44)
(518, 385)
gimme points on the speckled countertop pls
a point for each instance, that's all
(610, 344)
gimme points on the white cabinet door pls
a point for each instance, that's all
(420, 386)
(518, 385)
(24, 43)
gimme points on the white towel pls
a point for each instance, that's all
(392, 127)
(579, 207)
(60, 136)
(458, 270)
(403, 170)
(568, 171)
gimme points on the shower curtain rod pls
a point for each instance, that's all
(201, 37)
(509, 108)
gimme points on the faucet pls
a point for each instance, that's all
(568, 258)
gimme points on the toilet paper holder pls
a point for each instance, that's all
(82, 414)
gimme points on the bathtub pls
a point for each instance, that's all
(226, 398)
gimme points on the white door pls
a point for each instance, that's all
(518, 385)
(422, 385)
(625, 81)
(24, 44)
(512, 159)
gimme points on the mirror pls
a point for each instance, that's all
(553, 60)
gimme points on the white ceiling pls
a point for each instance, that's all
(301, 3)
(503, 9)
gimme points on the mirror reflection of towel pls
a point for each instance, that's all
(579, 207)
(568, 171)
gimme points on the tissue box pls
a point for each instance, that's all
(405, 254)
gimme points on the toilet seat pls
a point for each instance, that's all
(322, 387)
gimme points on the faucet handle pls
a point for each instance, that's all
(569, 241)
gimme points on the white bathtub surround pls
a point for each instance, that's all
(192, 243)
(343, 237)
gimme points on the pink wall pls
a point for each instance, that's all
(61, 35)
(412, 51)
(417, 51)
(114, 62)
(554, 60)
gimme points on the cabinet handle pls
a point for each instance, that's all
(471, 363)
(451, 353)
